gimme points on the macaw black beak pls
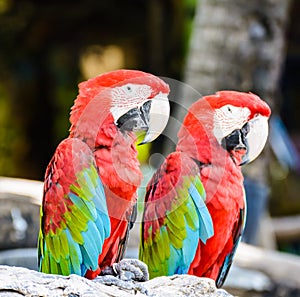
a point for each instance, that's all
(237, 139)
(249, 140)
(236, 142)
(152, 117)
(136, 119)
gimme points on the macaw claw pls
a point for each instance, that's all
(128, 270)
(126, 275)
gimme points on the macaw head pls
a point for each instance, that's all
(133, 100)
(235, 121)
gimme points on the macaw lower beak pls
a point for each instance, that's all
(245, 144)
(152, 117)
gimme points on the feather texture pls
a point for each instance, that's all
(91, 182)
(200, 233)
(74, 223)
(175, 217)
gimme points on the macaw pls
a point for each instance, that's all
(91, 181)
(194, 212)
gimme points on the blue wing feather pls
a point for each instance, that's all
(74, 254)
(75, 242)
(186, 218)
(206, 229)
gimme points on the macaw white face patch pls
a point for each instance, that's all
(229, 118)
(127, 97)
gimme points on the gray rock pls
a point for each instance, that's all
(17, 281)
(184, 285)
(20, 201)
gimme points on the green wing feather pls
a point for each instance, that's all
(74, 217)
(175, 217)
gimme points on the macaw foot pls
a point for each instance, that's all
(128, 269)
(124, 274)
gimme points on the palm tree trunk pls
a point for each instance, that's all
(237, 45)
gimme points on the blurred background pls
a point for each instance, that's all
(48, 47)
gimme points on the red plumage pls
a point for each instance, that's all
(116, 158)
(114, 151)
(220, 173)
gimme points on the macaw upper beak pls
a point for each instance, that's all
(158, 117)
(256, 137)
(246, 144)
(152, 117)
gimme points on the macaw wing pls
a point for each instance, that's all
(74, 217)
(236, 237)
(175, 217)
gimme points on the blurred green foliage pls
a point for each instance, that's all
(8, 136)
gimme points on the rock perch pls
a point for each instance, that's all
(17, 281)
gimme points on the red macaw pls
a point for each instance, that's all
(91, 181)
(195, 203)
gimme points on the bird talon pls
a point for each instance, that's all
(108, 271)
(116, 269)
(128, 270)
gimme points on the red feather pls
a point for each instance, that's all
(115, 155)
(93, 125)
(221, 176)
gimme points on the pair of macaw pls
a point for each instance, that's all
(194, 207)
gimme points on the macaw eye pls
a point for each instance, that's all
(128, 89)
(231, 110)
